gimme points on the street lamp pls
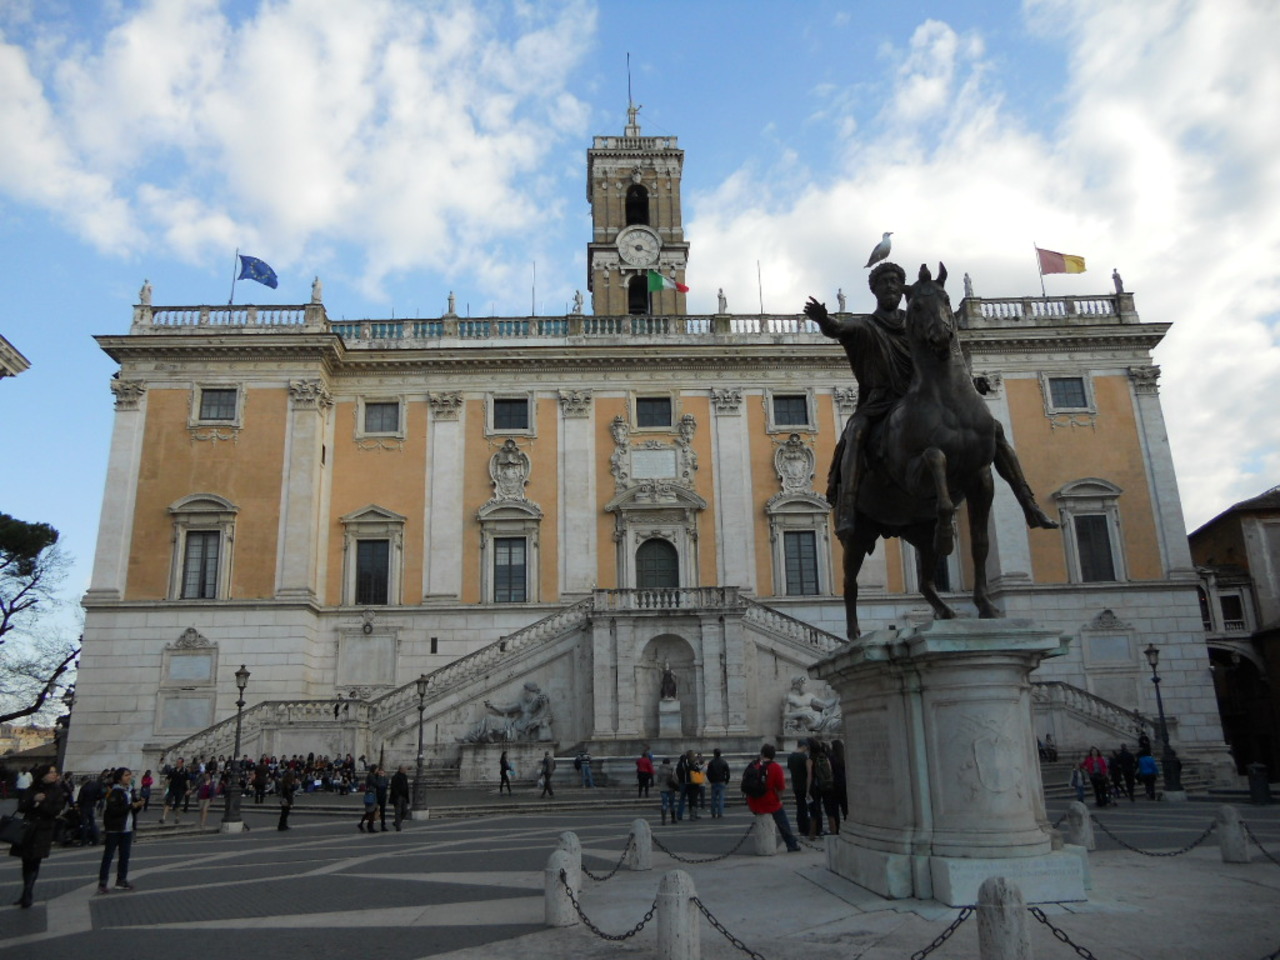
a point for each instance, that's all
(1168, 759)
(231, 822)
(419, 801)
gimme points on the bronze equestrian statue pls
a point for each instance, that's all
(921, 440)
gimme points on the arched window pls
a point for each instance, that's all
(638, 295)
(637, 205)
(657, 566)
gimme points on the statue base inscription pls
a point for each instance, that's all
(669, 722)
(943, 776)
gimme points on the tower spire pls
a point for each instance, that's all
(633, 108)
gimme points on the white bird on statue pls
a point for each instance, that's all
(882, 249)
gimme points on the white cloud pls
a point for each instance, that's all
(410, 130)
(1164, 166)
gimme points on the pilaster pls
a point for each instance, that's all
(297, 570)
(734, 516)
(115, 526)
(579, 552)
(1175, 550)
(1010, 559)
(442, 550)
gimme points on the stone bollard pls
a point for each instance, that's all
(1002, 922)
(640, 855)
(572, 847)
(678, 928)
(1235, 847)
(765, 833)
(1079, 826)
(555, 898)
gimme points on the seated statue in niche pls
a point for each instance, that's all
(803, 713)
(527, 718)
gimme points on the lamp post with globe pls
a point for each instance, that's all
(419, 800)
(231, 822)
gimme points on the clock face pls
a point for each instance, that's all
(638, 247)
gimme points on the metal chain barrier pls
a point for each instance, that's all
(723, 932)
(631, 839)
(1258, 842)
(945, 935)
(724, 856)
(806, 842)
(1061, 934)
(564, 879)
(1057, 823)
(1167, 853)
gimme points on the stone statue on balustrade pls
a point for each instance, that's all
(803, 713)
(527, 718)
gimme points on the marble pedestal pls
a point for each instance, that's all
(480, 760)
(669, 723)
(941, 763)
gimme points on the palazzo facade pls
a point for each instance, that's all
(575, 501)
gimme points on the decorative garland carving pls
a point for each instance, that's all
(214, 435)
(191, 639)
(1108, 621)
(509, 471)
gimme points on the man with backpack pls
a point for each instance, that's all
(762, 782)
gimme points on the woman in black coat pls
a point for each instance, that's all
(40, 807)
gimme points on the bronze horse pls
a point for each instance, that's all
(933, 451)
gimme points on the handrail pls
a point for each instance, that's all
(790, 627)
(1091, 705)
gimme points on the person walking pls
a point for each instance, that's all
(644, 772)
(504, 773)
(399, 795)
(381, 784)
(179, 784)
(668, 787)
(204, 795)
(582, 763)
(823, 785)
(686, 769)
(1079, 780)
(798, 768)
(40, 806)
(718, 777)
(548, 768)
(370, 805)
(1127, 764)
(86, 801)
(288, 787)
(119, 817)
(1095, 764)
(148, 782)
(1147, 773)
(769, 801)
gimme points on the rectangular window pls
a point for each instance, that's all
(1093, 544)
(200, 565)
(1067, 393)
(509, 566)
(218, 404)
(373, 567)
(801, 548)
(790, 411)
(653, 411)
(1232, 612)
(382, 417)
(510, 414)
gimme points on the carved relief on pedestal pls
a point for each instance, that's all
(445, 406)
(309, 395)
(128, 393)
(575, 403)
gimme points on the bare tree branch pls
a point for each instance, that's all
(47, 688)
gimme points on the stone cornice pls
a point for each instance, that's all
(325, 347)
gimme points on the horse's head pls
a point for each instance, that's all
(931, 325)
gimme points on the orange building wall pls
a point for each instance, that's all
(1110, 450)
(393, 479)
(247, 472)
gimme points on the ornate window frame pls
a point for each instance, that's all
(378, 435)
(656, 509)
(1091, 496)
(1090, 407)
(202, 512)
(197, 394)
(810, 406)
(531, 401)
(799, 512)
(633, 410)
(515, 519)
(373, 522)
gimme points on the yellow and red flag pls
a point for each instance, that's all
(1053, 262)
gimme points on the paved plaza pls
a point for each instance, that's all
(473, 887)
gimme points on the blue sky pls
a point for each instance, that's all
(419, 148)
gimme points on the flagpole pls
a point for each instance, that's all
(1039, 269)
(235, 270)
(760, 288)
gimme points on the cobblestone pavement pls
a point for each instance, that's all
(474, 888)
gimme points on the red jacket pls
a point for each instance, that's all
(775, 782)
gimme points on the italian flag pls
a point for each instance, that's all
(658, 281)
(1053, 262)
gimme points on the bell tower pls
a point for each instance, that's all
(633, 186)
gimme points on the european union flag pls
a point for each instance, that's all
(251, 268)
